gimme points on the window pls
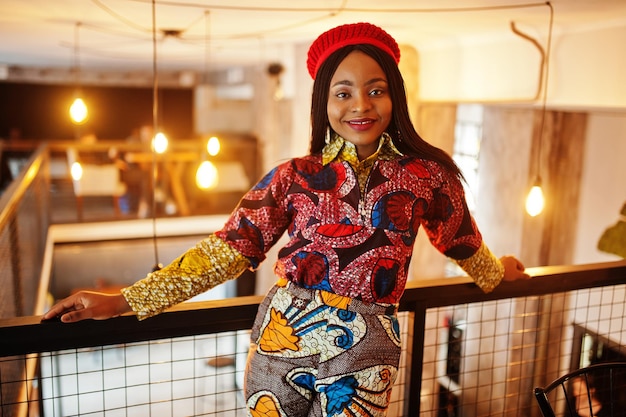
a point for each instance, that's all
(468, 133)
(467, 137)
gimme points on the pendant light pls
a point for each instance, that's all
(213, 146)
(207, 175)
(159, 143)
(535, 200)
(78, 109)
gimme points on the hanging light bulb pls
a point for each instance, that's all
(206, 176)
(535, 201)
(159, 143)
(213, 146)
(76, 170)
(78, 109)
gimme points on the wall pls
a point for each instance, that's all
(603, 186)
(587, 69)
(40, 111)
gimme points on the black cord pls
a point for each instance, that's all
(545, 89)
(155, 125)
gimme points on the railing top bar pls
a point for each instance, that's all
(28, 335)
(545, 280)
(11, 197)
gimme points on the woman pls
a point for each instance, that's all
(325, 341)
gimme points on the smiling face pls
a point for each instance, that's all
(359, 105)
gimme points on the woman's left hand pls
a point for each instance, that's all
(513, 269)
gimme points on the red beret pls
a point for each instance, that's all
(351, 34)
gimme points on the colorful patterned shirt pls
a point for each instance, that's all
(351, 227)
(352, 224)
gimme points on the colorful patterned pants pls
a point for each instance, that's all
(314, 353)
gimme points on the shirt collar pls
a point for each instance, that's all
(339, 148)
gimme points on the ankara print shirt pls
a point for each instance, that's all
(347, 241)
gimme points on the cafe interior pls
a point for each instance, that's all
(129, 130)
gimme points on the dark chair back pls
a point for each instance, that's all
(598, 390)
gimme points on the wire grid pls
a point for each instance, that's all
(7, 282)
(598, 390)
(22, 244)
(510, 346)
(598, 332)
(190, 376)
(506, 348)
(398, 399)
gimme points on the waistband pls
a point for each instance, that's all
(339, 301)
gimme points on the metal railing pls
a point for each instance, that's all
(22, 336)
(24, 219)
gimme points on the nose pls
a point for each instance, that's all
(361, 103)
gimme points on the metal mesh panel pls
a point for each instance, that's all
(7, 299)
(23, 238)
(178, 377)
(14, 387)
(32, 225)
(480, 359)
(484, 359)
(199, 376)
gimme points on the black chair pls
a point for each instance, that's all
(597, 390)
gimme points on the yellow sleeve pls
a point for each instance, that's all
(484, 268)
(208, 264)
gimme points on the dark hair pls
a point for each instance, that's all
(400, 129)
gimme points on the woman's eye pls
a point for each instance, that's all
(376, 92)
(341, 94)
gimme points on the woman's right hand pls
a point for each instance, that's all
(88, 305)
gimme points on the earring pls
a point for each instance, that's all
(327, 139)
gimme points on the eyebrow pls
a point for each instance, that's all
(369, 82)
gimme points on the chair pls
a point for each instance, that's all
(597, 390)
(97, 180)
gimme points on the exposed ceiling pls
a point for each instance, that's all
(117, 35)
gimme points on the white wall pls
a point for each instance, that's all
(587, 69)
(603, 187)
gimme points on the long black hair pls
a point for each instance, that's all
(400, 129)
